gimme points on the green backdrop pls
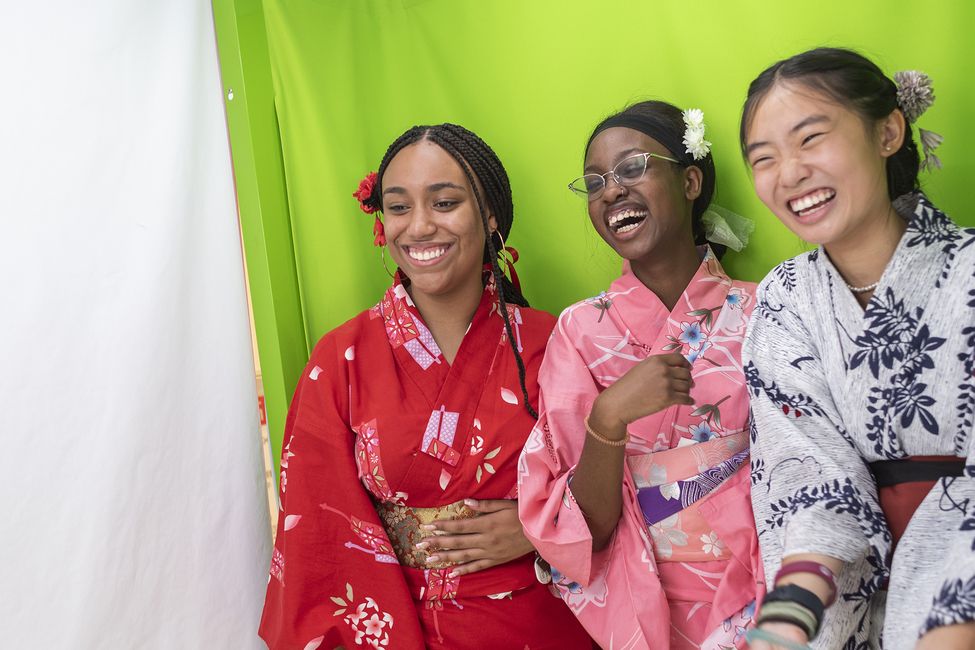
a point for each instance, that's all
(332, 82)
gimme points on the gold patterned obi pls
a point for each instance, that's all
(402, 525)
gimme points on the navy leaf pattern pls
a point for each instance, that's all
(785, 273)
(954, 604)
(894, 380)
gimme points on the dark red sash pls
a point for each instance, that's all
(903, 484)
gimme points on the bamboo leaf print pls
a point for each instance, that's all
(492, 453)
(348, 591)
(489, 467)
(478, 474)
(338, 601)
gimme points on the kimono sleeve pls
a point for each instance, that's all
(332, 567)
(552, 520)
(812, 491)
(954, 602)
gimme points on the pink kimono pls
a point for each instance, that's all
(682, 569)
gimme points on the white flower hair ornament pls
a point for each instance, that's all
(694, 142)
(915, 95)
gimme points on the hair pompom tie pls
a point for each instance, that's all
(915, 95)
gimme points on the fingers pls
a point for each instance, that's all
(471, 567)
(491, 505)
(458, 556)
(681, 373)
(682, 385)
(438, 543)
(675, 359)
(453, 526)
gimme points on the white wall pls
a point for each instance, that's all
(133, 505)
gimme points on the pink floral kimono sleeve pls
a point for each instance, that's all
(553, 521)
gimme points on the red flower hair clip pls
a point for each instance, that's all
(369, 205)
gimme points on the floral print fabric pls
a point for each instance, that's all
(630, 595)
(834, 387)
(380, 417)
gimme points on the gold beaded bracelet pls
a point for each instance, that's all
(604, 439)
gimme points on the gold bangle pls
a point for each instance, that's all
(604, 439)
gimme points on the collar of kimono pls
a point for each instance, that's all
(684, 328)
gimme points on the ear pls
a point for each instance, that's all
(693, 180)
(892, 131)
(492, 223)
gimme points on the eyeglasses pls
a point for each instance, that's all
(628, 172)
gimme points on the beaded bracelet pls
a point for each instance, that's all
(815, 568)
(606, 441)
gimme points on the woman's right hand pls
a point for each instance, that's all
(657, 382)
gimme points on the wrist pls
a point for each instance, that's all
(603, 419)
(811, 575)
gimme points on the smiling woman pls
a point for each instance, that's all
(634, 483)
(860, 363)
(399, 526)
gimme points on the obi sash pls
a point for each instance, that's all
(672, 482)
(432, 583)
(903, 484)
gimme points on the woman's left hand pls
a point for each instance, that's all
(949, 637)
(493, 537)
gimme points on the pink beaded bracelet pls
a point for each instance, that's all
(815, 568)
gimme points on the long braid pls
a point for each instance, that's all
(479, 162)
(454, 151)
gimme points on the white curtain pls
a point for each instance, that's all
(134, 511)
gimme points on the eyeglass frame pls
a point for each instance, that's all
(592, 196)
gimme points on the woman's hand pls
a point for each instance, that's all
(654, 384)
(949, 637)
(786, 631)
(493, 537)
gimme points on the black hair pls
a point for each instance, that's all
(478, 161)
(665, 123)
(853, 81)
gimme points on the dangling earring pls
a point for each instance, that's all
(382, 255)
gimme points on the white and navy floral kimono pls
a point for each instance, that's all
(835, 387)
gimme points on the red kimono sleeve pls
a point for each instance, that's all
(334, 578)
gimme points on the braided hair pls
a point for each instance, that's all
(479, 163)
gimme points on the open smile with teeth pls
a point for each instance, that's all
(626, 220)
(811, 202)
(426, 254)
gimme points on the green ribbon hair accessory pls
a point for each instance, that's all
(722, 226)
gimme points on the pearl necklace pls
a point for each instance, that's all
(869, 287)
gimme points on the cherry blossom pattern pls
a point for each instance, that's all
(666, 535)
(405, 329)
(368, 621)
(277, 565)
(486, 466)
(711, 544)
(286, 455)
(368, 461)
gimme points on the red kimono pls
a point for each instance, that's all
(384, 435)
